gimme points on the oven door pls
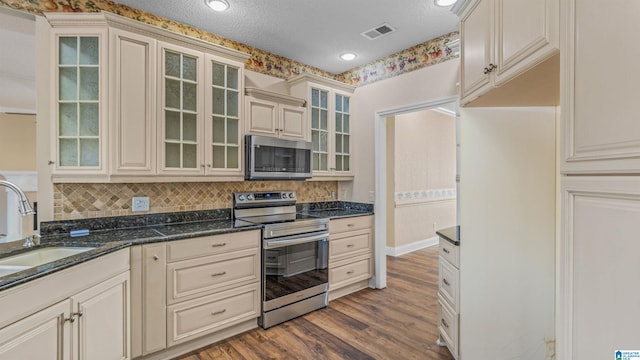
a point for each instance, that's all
(294, 268)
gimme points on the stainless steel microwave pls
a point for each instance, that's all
(270, 158)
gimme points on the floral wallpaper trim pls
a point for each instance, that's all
(414, 58)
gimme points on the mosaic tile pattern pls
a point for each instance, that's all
(82, 201)
(429, 53)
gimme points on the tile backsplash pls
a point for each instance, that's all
(82, 201)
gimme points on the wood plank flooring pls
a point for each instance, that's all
(398, 322)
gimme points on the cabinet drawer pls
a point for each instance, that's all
(350, 224)
(211, 245)
(347, 273)
(212, 273)
(350, 245)
(192, 319)
(448, 277)
(450, 252)
(448, 326)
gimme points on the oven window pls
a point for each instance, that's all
(295, 268)
(279, 159)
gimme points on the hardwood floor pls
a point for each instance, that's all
(398, 322)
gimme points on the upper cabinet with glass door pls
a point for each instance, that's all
(171, 107)
(223, 113)
(330, 118)
(79, 101)
(182, 110)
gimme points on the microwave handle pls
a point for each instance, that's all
(274, 244)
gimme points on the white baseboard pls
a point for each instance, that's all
(405, 249)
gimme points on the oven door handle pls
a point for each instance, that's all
(273, 244)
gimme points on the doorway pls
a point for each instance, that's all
(382, 186)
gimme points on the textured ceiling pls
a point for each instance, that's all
(313, 32)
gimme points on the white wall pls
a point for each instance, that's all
(423, 187)
(507, 259)
(432, 82)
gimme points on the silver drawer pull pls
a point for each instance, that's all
(218, 245)
(350, 245)
(219, 312)
(351, 225)
(219, 274)
(350, 272)
(444, 323)
(70, 319)
(446, 251)
(78, 314)
(445, 282)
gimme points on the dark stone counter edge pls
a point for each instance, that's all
(451, 234)
(108, 241)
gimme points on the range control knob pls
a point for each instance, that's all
(241, 197)
(292, 195)
(249, 196)
(284, 195)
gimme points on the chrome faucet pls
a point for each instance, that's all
(24, 208)
(23, 203)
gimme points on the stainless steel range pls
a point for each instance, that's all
(295, 254)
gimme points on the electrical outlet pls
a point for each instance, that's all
(372, 196)
(140, 203)
(333, 195)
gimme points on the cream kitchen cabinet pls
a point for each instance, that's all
(601, 133)
(78, 97)
(328, 103)
(273, 114)
(200, 137)
(186, 289)
(449, 296)
(502, 40)
(78, 313)
(131, 101)
(350, 255)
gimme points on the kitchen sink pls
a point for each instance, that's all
(37, 257)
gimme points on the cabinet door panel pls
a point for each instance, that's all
(476, 47)
(133, 91)
(599, 248)
(39, 336)
(103, 320)
(261, 117)
(294, 122)
(526, 33)
(601, 127)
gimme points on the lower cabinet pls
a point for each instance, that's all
(186, 289)
(350, 255)
(90, 324)
(449, 296)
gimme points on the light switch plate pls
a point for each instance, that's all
(140, 203)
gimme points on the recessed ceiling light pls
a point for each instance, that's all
(348, 56)
(445, 2)
(218, 5)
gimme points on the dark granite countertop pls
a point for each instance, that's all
(451, 234)
(111, 234)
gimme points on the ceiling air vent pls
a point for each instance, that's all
(379, 31)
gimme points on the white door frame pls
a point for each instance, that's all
(380, 153)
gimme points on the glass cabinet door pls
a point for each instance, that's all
(180, 110)
(224, 152)
(78, 71)
(342, 132)
(320, 128)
